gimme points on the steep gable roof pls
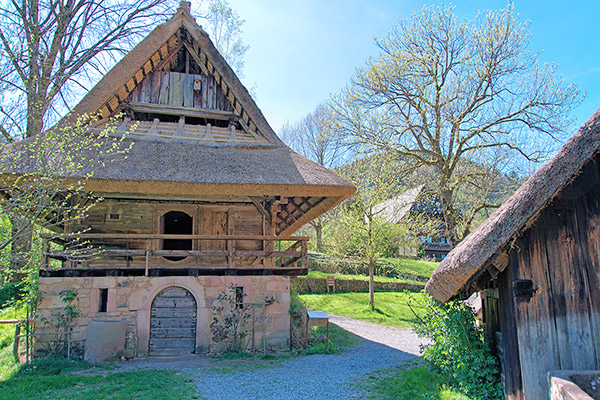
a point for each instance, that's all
(486, 246)
(151, 54)
(414, 200)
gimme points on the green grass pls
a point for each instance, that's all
(54, 378)
(318, 274)
(339, 340)
(391, 308)
(413, 267)
(407, 384)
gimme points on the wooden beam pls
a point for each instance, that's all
(186, 111)
(196, 58)
(261, 208)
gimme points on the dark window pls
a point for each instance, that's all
(239, 297)
(114, 216)
(103, 300)
(177, 223)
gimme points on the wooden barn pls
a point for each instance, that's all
(536, 263)
(207, 197)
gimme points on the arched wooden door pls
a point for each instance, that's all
(173, 323)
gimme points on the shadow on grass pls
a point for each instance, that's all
(51, 378)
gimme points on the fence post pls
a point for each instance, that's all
(16, 344)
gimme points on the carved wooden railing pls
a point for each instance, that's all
(76, 249)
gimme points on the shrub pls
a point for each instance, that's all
(10, 293)
(458, 349)
(297, 313)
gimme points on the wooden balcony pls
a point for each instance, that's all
(145, 255)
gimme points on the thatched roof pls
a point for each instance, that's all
(414, 200)
(494, 236)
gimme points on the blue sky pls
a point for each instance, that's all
(302, 51)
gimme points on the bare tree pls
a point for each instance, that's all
(50, 50)
(313, 137)
(225, 27)
(445, 93)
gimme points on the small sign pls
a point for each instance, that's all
(197, 84)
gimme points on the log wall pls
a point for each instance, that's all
(114, 217)
(558, 327)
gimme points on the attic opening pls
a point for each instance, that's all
(176, 223)
(221, 123)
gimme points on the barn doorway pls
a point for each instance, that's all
(173, 323)
(177, 223)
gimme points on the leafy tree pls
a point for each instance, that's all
(313, 137)
(449, 94)
(361, 229)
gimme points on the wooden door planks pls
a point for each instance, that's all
(173, 323)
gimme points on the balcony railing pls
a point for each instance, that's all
(95, 251)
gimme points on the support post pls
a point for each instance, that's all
(148, 255)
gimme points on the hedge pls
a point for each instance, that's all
(306, 284)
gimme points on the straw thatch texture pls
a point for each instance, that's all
(180, 161)
(492, 237)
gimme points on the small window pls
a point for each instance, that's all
(443, 256)
(114, 216)
(103, 300)
(444, 240)
(429, 239)
(239, 297)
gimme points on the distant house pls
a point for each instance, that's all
(413, 202)
(202, 202)
(536, 263)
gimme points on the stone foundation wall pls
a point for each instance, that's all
(130, 299)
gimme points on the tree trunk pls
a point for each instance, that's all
(318, 227)
(449, 214)
(319, 233)
(371, 284)
(22, 232)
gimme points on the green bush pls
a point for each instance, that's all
(11, 293)
(458, 349)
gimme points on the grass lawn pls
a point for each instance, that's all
(53, 378)
(318, 274)
(407, 384)
(413, 267)
(391, 308)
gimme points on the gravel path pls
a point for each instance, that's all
(317, 376)
(309, 377)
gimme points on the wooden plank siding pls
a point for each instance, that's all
(559, 326)
(145, 218)
(177, 89)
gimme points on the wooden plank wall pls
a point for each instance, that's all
(177, 89)
(559, 327)
(144, 218)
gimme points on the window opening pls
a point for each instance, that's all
(103, 300)
(239, 297)
(177, 223)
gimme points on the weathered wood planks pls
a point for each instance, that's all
(177, 89)
(173, 323)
